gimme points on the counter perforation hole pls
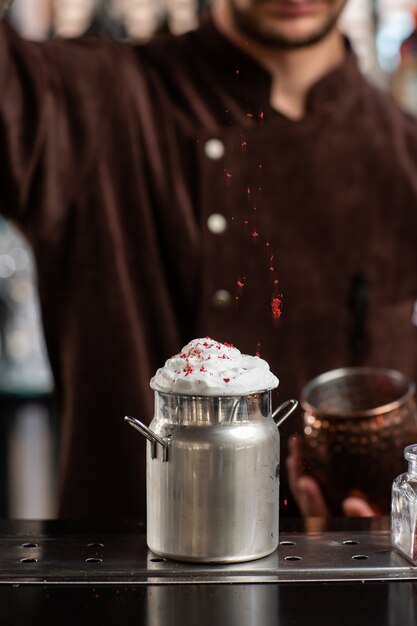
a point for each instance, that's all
(360, 557)
(29, 544)
(28, 560)
(350, 542)
(293, 558)
(93, 559)
(287, 543)
(95, 544)
(158, 560)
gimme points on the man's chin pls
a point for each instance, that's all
(301, 39)
(268, 26)
(291, 36)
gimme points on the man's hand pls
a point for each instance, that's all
(307, 492)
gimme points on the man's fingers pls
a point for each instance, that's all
(357, 507)
(292, 472)
(305, 490)
(310, 498)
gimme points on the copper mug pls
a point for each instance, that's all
(357, 422)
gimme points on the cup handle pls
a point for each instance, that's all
(288, 407)
(150, 436)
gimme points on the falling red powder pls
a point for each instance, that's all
(261, 115)
(255, 234)
(249, 115)
(276, 308)
(240, 284)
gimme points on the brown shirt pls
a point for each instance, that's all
(108, 167)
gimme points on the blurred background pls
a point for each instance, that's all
(384, 36)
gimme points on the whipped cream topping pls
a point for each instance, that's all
(205, 367)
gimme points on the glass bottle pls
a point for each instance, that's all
(404, 508)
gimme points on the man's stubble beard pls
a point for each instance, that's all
(259, 34)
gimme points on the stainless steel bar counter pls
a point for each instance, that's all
(335, 572)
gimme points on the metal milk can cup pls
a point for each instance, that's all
(213, 472)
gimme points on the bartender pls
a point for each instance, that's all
(242, 181)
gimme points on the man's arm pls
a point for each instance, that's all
(55, 99)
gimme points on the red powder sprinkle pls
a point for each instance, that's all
(240, 284)
(188, 369)
(244, 144)
(246, 221)
(276, 281)
(257, 354)
(261, 115)
(249, 115)
(226, 380)
(276, 308)
(228, 345)
(255, 234)
(237, 72)
(203, 369)
(248, 190)
(228, 174)
(271, 268)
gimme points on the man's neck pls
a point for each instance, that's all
(293, 71)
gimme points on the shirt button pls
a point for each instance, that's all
(216, 223)
(214, 149)
(221, 299)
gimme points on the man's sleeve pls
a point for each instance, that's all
(54, 102)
